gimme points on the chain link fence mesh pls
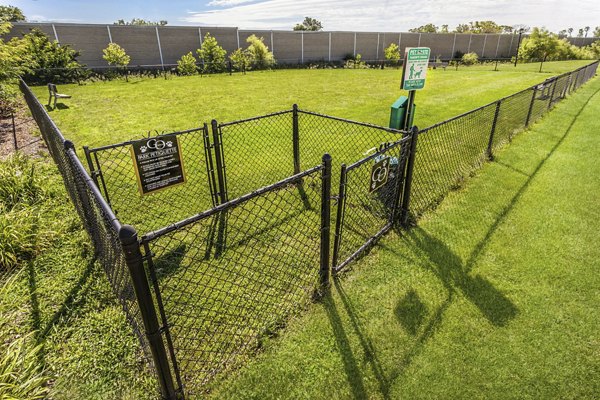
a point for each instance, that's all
(230, 277)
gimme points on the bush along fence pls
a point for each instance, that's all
(218, 263)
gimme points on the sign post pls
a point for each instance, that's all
(158, 163)
(414, 72)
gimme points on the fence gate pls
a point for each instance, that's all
(369, 200)
(112, 168)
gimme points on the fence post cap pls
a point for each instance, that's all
(127, 234)
(69, 144)
(326, 157)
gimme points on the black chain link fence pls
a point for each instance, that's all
(98, 219)
(212, 277)
(230, 277)
(450, 151)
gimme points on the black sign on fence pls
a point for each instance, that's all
(157, 162)
(379, 174)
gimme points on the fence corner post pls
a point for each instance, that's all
(324, 270)
(414, 134)
(135, 263)
(489, 152)
(296, 138)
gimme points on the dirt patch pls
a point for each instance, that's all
(26, 133)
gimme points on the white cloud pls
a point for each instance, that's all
(228, 3)
(397, 15)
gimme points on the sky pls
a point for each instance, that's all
(344, 15)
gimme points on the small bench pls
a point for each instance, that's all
(53, 93)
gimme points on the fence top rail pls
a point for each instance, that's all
(349, 121)
(128, 142)
(377, 153)
(229, 204)
(241, 121)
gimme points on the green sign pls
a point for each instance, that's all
(415, 67)
(379, 174)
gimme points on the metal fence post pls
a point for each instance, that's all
(341, 203)
(219, 161)
(552, 93)
(14, 130)
(404, 153)
(135, 263)
(325, 220)
(531, 106)
(414, 134)
(296, 138)
(490, 154)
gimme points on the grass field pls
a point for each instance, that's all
(494, 295)
(103, 113)
(139, 101)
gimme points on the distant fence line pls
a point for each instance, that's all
(163, 45)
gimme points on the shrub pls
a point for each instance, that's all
(357, 63)
(186, 65)
(212, 55)
(19, 185)
(21, 377)
(470, 58)
(258, 53)
(240, 60)
(392, 53)
(116, 56)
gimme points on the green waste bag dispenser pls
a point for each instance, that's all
(398, 111)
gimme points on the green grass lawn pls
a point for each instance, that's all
(109, 112)
(493, 295)
(438, 252)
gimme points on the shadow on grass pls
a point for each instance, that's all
(411, 311)
(73, 300)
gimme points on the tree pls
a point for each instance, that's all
(14, 61)
(580, 32)
(11, 14)
(462, 28)
(542, 45)
(427, 28)
(259, 54)
(485, 27)
(186, 65)
(392, 53)
(212, 55)
(586, 29)
(240, 60)
(597, 31)
(444, 28)
(116, 55)
(140, 22)
(470, 58)
(562, 33)
(507, 29)
(309, 24)
(570, 30)
(53, 62)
